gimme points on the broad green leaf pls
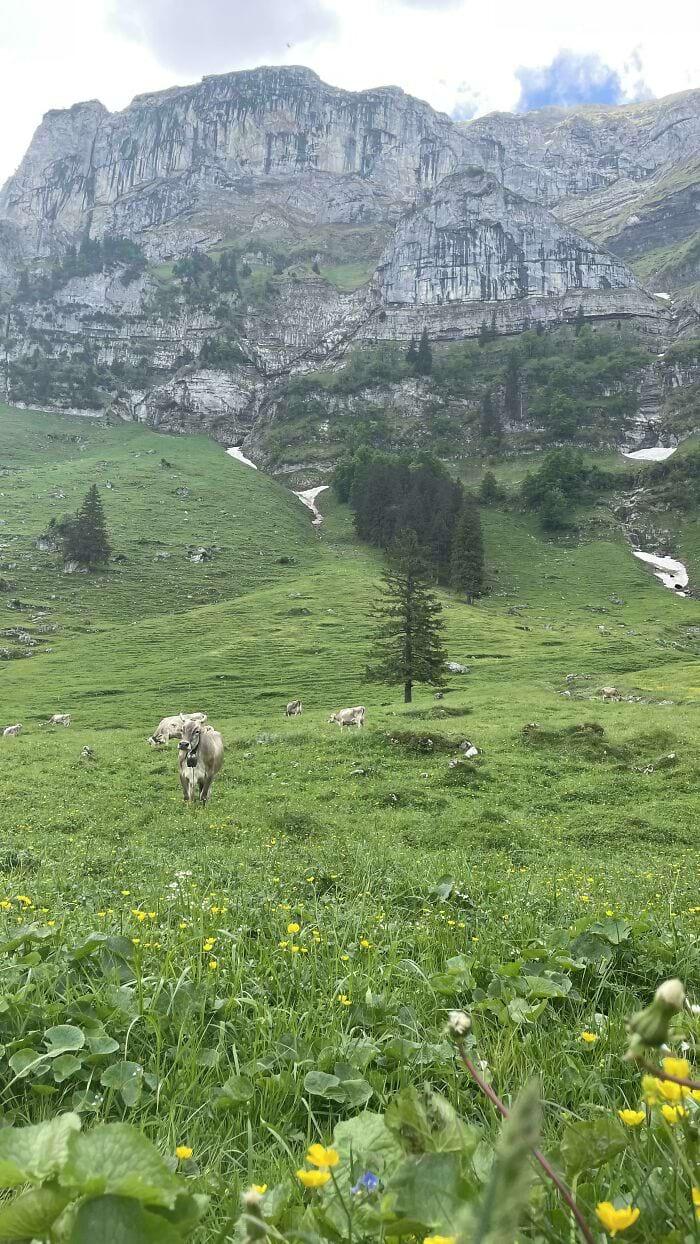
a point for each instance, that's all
(427, 1190)
(120, 1220)
(368, 1140)
(357, 1092)
(523, 1012)
(614, 931)
(36, 1153)
(125, 1079)
(33, 1213)
(443, 888)
(65, 1066)
(425, 1122)
(235, 1092)
(63, 1038)
(545, 987)
(101, 1043)
(588, 1145)
(321, 1084)
(506, 1196)
(24, 1059)
(115, 1158)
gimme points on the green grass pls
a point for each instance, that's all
(345, 834)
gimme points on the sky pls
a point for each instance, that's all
(463, 57)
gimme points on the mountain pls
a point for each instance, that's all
(180, 261)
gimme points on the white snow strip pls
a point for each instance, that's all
(657, 454)
(672, 574)
(666, 296)
(308, 498)
(240, 457)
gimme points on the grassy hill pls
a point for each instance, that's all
(575, 813)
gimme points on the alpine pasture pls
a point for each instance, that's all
(249, 975)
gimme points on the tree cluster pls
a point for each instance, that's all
(420, 357)
(91, 256)
(563, 480)
(390, 495)
(202, 279)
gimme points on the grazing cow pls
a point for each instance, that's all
(200, 756)
(610, 693)
(172, 727)
(10, 730)
(293, 709)
(59, 719)
(349, 716)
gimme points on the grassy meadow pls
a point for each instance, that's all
(250, 975)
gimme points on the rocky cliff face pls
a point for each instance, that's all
(354, 218)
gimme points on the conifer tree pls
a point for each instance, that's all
(579, 319)
(408, 640)
(483, 333)
(424, 355)
(468, 552)
(86, 540)
(490, 424)
(412, 353)
(490, 492)
(511, 391)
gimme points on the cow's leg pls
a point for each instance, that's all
(205, 788)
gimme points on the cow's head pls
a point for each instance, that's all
(333, 717)
(190, 740)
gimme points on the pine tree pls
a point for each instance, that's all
(86, 540)
(511, 392)
(424, 355)
(493, 331)
(412, 353)
(407, 643)
(490, 424)
(579, 319)
(468, 552)
(490, 492)
(483, 333)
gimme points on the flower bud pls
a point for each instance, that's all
(458, 1024)
(650, 1026)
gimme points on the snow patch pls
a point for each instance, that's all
(666, 296)
(240, 457)
(308, 498)
(657, 454)
(672, 574)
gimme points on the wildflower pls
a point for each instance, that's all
(213, 965)
(209, 944)
(615, 1220)
(632, 1118)
(126, 892)
(183, 924)
(695, 1192)
(344, 1000)
(183, 1152)
(676, 1067)
(294, 949)
(6, 905)
(136, 941)
(344, 958)
(293, 927)
(655, 1091)
(365, 944)
(261, 1189)
(151, 915)
(458, 1023)
(589, 1037)
(650, 1026)
(24, 900)
(313, 1179)
(282, 945)
(318, 1155)
(140, 915)
(368, 1183)
(673, 1113)
(440, 1239)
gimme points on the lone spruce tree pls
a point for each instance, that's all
(424, 355)
(86, 540)
(407, 643)
(467, 566)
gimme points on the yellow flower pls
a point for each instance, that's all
(695, 1192)
(293, 927)
(676, 1067)
(632, 1118)
(294, 949)
(6, 905)
(589, 1037)
(213, 965)
(24, 900)
(365, 944)
(655, 1091)
(615, 1220)
(344, 1000)
(318, 1155)
(313, 1179)
(261, 1189)
(439, 1239)
(140, 915)
(126, 892)
(183, 1152)
(673, 1113)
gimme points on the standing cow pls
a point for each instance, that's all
(9, 731)
(293, 709)
(350, 716)
(59, 719)
(200, 756)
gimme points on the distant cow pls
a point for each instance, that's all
(59, 719)
(293, 709)
(349, 716)
(172, 727)
(610, 693)
(10, 730)
(200, 756)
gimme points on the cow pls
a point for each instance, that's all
(200, 756)
(9, 731)
(293, 709)
(59, 719)
(349, 716)
(171, 727)
(610, 693)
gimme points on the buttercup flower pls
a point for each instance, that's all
(261, 1189)
(673, 1113)
(676, 1067)
(656, 1091)
(589, 1037)
(695, 1193)
(344, 1000)
(318, 1155)
(632, 1118)
(293, 927)
(440, 1239)
(183, 1152)
(313, 1179)
(615, 1220)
